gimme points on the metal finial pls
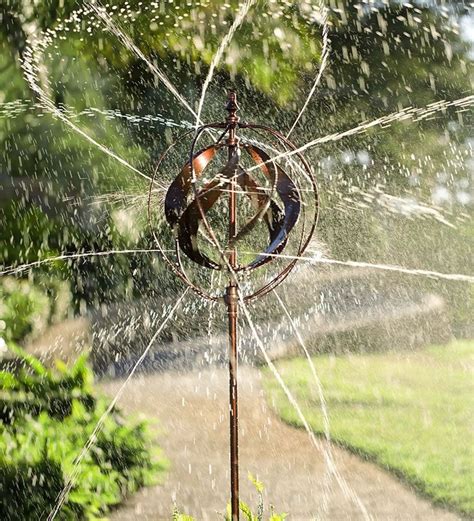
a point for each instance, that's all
(232, 107)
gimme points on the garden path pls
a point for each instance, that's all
(193, 414)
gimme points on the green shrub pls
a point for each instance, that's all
(27, 308)
(23, 309)
(34, 388)
(18, 484)
(46, 419)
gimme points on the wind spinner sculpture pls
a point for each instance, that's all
(276, 203)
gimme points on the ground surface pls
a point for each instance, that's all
(192, 409)
(410, 411)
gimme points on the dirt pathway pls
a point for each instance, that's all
(192, 410)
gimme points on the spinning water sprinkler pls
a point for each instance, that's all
(276, 201)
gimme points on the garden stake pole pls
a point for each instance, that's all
(185, 215)
(232, 313)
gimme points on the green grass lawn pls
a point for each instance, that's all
(411, 412)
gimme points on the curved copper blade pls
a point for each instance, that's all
(189, 225)
(267, 209)
(176, 196)
(191, 218)
(287, 192)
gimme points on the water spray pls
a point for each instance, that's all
(191, 197)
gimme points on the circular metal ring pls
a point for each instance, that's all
(185, 218)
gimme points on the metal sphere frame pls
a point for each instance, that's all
(265, 257)
(186, 208)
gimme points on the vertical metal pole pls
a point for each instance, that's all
(232, 310)
(234, 420)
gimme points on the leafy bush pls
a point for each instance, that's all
(26, 308)
(35, 389)
(245, 509)
(23, 309)
(46, 419)
(18, 484)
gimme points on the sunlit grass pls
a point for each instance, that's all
(411, 412)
